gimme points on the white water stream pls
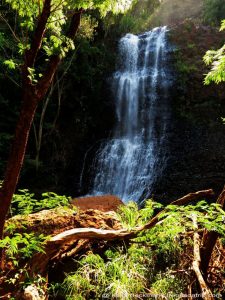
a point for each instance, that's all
(129, 163)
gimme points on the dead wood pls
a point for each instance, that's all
(64, 239)
(206, 292)
(92, 233)
(181, 201)
(31, 292)
(68, 240)
(54, 221)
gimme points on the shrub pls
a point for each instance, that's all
(25, 203)
(148, 263)
(214, 11)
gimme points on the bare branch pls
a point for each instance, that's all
(10, 28)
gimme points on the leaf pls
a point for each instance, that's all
(10, 64)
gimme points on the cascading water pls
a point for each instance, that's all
(129, 163)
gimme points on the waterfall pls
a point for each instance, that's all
(129, 164)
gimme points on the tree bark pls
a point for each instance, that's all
(31, 96)
(16, 156)
(31, 54)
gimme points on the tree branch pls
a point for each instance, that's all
(10, 28)
(194, 196)
(54, 61)
(75, 23)
(36, 43)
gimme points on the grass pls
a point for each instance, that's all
(148, 264)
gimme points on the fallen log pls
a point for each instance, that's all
(61, 224)
(91, 233)
(67, 226)
(53, 221)
(64, 239)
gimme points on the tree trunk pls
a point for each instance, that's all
(16, 156)
(30, 98)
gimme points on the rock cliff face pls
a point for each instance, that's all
(197, 138)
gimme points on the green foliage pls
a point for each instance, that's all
(169, 285)
(216, 58)
(52, 200)
(18, 249)
(222, 25)
(22, 246)
(135, 20)
(130, 216)
(87, 28)
(183, 68)
(148, 210)
(150, 261)
(175, 222)
(10, 64)
(54, 289)
(214, 11)
(55, 40)
(25, 203)
(121, 276)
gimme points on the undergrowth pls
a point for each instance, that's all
(17, 248)
(155, 264)
(25, 203)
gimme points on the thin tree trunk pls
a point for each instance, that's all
(206, 292)
(17, 153)
(40, 127)
(209, 240)
(30, 101)
(32, 95)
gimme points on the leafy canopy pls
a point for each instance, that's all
(216, 58)
(55, 40)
